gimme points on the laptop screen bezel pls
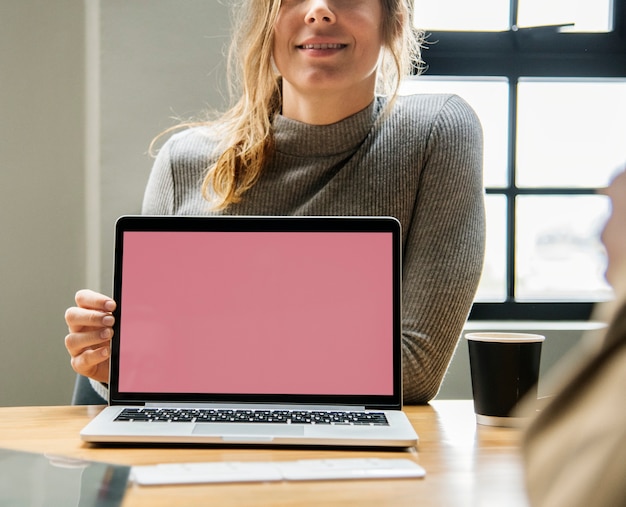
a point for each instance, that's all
(258, 224)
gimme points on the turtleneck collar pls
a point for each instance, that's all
(295, 138)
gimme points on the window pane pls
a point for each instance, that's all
(493, 282)
(461, 15)
(558, 248)
(587, 15)
(570, 133)
(489, 98)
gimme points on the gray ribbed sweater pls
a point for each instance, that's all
(421, 164)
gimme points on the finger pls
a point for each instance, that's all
(77, 343)
(92, 300)
(77, 319)
(93, 364)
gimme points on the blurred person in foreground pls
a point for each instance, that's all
(575, 448)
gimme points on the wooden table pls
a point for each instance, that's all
(466, 464)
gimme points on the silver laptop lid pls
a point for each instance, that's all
(280, 310)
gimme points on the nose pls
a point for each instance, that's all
(319, 12)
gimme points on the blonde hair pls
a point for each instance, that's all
(246, 128)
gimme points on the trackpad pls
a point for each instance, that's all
(248, 430)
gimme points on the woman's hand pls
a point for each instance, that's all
(90, 325)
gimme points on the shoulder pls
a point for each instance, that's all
(439, 122)
(196, 141)
(441, 109)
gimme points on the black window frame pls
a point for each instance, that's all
(539, 52)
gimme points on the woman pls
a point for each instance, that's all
(309, 135)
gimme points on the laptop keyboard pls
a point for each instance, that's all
(253, 416)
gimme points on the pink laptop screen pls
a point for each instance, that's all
(257, 313)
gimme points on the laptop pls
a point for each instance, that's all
(256, 330)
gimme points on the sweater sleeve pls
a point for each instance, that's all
(100, 389)
(444, 249)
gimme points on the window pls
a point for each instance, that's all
(548, 80)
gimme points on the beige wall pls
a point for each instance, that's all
(84, 86)
(42, 247)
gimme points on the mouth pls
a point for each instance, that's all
(322, 46)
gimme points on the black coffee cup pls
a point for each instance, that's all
(504, 369)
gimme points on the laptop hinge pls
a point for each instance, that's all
(255, 406)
